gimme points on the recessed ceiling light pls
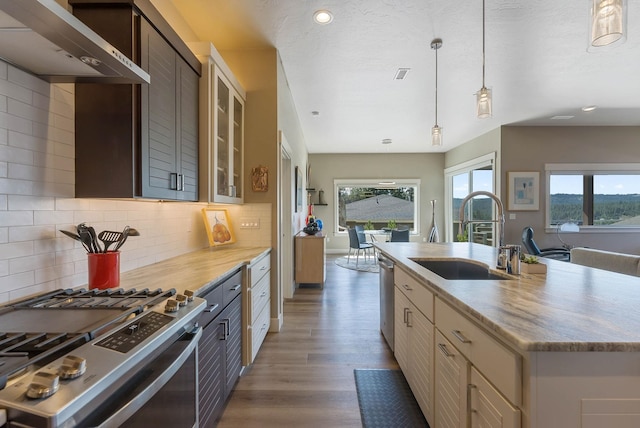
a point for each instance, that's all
(387, 141)
(589, 108)
(562, 117)
(322, 17)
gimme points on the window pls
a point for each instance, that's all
(378, 204)
(461, 180)
(606, 195)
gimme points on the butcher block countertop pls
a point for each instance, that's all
(571, 308)
(193, 271)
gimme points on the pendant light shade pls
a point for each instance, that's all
(483, 96)
(436, 131)
(608, 22)
(436, 136)
(483, 103)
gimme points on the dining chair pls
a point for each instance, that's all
(355, 244)
(399, 235)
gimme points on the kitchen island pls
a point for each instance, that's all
(560, 349)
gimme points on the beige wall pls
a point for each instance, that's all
(327, 167)
(529, 148)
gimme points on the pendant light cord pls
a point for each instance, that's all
(483, 42)
(436, 86)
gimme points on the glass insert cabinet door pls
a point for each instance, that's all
(229, 136)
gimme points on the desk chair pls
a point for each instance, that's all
(557, 253)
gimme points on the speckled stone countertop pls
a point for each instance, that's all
(570, 308)
(193, 271)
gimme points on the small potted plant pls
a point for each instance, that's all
(369, 225)
(531, 264)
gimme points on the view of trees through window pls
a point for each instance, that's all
(376, 207)
(598, 200)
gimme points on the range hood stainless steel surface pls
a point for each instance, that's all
(43, 38)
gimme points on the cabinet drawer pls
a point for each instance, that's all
(499, 364)
(488, 405)
(231, 287)
(417, 293)
(258, 270)
(259, 330)
(214, 305)
(260, 295)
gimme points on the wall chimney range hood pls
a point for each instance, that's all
(43, 38)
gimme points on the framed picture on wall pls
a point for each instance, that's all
(298, 190)
(218, 225)
(523, 191)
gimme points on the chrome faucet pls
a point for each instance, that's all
(499, 221)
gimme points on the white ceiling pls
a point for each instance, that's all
(536, 64)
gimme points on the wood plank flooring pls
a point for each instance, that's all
(303, 375)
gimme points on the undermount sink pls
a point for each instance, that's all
(459, 270)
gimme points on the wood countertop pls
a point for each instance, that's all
(571, 308)
(193, 271)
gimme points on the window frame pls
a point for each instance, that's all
(586, 169)
(376, 182)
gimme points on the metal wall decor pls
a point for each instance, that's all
(260, 178)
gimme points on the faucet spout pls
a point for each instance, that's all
(499, 221)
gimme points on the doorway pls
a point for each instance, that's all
(285, 214)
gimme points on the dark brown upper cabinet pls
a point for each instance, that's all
(138, 141)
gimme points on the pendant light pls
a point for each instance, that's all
(436, 131)
(483, 96)
(608, 22)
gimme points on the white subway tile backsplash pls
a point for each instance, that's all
(19, 202)
(16, 218)
(4, 169)
(31, 263)
(14, 282)
(14, 91)
(28, 81)
(16, 155)
(15, 187)
(27, 142)
(31, 233)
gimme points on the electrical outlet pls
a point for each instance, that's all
(249, 223)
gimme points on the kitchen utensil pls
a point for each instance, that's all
(94, 240)
(123, 238)
(87, 241)
(128, 231)
(75, 237)
(109, 237)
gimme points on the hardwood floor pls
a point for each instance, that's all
(303, 375)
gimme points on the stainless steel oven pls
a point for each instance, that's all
(108, 358)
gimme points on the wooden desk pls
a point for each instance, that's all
(309, 259)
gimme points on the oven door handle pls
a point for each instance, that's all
(128, 409)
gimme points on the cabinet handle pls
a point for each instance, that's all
(225, 326)
(264, 293)
(408, 318)
(404, 320)
(458, 334)
(212, 308)
(444, 350)
(406, 287)
(173, 181)
(470, 409)
(263, 268)
(264, 326)
(181, 182)
(235, 287)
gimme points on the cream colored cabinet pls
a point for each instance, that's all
(451, 385)
(487, 407)
(493, 380)
(222, 119)
(256, 312)
(413, 337)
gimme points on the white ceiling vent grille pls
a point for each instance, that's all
(401, 73)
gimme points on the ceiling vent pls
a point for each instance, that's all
(401, 73)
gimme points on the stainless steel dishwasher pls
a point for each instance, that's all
(386, 298)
